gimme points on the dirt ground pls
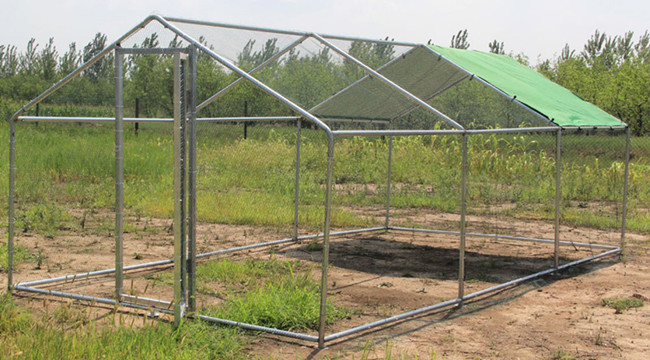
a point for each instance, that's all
(381, 274)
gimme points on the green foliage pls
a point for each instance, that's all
(21, 254)
(459, 41)
(68, 333)
(250, 182)
(43, 218)
(611, 72)
(270, 293)
(621, 304)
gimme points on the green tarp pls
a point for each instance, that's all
(558, 104)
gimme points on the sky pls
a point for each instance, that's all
(538, 29)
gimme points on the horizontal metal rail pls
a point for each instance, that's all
(285, 32)
(541, 273)
(391, 319)
(95, 273)
(151, 51)
(465, 298)
(139, 300)
(344, 133)
(355, 120)
(249, 118)
(507, 237)
(286, 240)
(75, 119)
(202, 255)
(92, 299)
(515, 130)
(617, 127)
(275, 331)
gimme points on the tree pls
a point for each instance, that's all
(248, 59)
(642, 48)
(28, 58)
(150, 80)
(8, 61)
(101, 68)
(46, 62)
(70, 60)
(496, 47)
(459, 41)
(600, 50)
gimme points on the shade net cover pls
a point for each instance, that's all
(555, 102)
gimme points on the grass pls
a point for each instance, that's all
(21, 254)
(252, 181)
(622, 304)
(68, 334)
(562, 354)
(274, 293)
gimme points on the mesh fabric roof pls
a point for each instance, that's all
(426, 75)
(558, 104)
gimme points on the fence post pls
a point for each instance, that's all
(558, 196)
(625, 189)
(10, 214)
(297, 194)
(326, 243)
(191, 183)
(137, 114)
(119, 173)
(463, 225)
(179, 195)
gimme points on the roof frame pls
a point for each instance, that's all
(167, 22)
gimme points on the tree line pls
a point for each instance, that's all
(612, 72)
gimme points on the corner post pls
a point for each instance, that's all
(463, 224)
(10, 212)
(191, 206)
(297, 186)
(625, 189)
(119, 173)
(326, 238)
(558, 196)
(388, 176)
(179, 195)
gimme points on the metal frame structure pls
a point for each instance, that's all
(184, 125)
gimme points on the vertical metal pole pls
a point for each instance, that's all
(558, 196)
(625, 189)
(179, 296)
(388, 177)
(326, 244)
(297, 195)
(12, 173)
(119, 173)
(137, 114)
(183, 170)
(191, 206)
(463, 225)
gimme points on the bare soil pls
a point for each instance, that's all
(386, 273)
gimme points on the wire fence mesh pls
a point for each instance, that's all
(262, 181)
